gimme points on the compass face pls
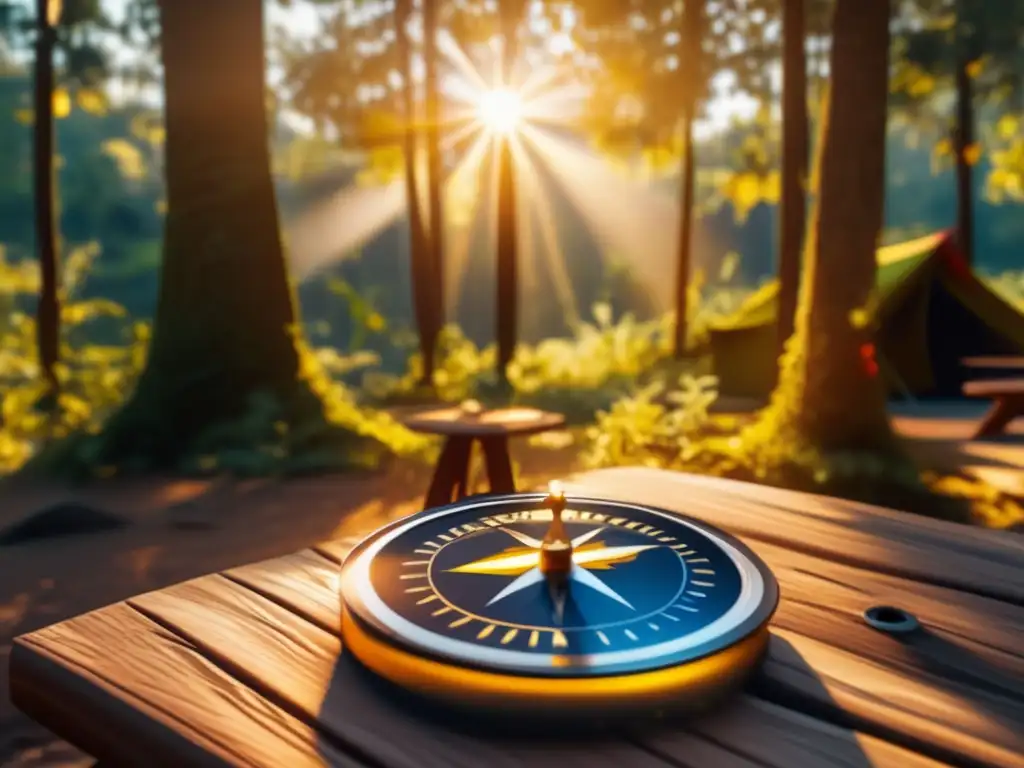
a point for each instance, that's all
(647, 589)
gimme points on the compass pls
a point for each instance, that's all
(544, 603)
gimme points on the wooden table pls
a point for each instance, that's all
(245, 668)
(492, 428)
(1007, 396)
(997, 362)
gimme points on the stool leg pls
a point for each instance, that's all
(1003, 411)
(499, 465)
(452, 467)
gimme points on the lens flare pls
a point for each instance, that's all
(500, 111)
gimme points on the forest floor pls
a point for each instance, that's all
(181, 529)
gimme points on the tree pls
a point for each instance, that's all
(830, 401)
(792, 202)
(507, 277)
(435, 183)
(48, 313)
(692, 76)
(224, 329)
(971, 47)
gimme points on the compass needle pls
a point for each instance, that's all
(525, 581)
(587, 579)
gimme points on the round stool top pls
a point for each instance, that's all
(462, 420)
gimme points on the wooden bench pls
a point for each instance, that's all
(463, 426)
(246, 668)
(1008, 403)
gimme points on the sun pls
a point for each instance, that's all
(500, 110)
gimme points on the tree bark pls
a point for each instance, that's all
(793, 202)
(48, 309)
(419, 246)
(225, 318)
(507, 277)
(435, 174)
(963, 138)
(692, 73)
(829, 390)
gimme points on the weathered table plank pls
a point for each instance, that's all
(809, 668)
(137, 695)
(295, 669)
(885, 541)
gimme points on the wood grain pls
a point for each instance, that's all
(812, 693)
(504, 421)
(983, 562)
(130, 693)
(298, 664)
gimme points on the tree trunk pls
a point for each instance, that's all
(829, 390)
(419, 246)
(963, 138)
(692, 72)
(435, 178)
(793, 202)
(507, 277)
(48, 309)
(225, 319)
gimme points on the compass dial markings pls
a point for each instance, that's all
(559, 640)
(688, 608)
(534, 637)
(653, 626)
(703, 583)
(703, 571)
(603, 638)
(698, 560)
(416, 562)
(424, 551)
(509, 636)
(427, 599)
(413, 576)
(442, 611)
(461, 621)
(484, 633)
(695, 593)
(670, 617)
(414, 590)
(631, 635)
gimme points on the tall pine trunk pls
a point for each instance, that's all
(419, 246)
(793, 202)
(48, 310)
(963, 138)
(224, 323)
(829, 392)
(507, 273)
(435, 180)
(692, 73)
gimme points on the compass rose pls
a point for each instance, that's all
(525, 563)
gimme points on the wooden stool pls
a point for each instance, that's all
(492, 429)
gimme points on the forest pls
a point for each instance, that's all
(233, 235)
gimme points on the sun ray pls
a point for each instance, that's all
(551, 251)
(627, 217)
(461, 178)
(447, 45)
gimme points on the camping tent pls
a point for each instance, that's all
(932, 311)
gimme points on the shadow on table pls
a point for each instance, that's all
(761, 724)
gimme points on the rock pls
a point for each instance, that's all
(58, 521)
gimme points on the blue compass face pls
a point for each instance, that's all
(646, 588)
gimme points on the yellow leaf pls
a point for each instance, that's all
(921, 85)
(975, 68)
(972, 153)
(128, 157)
(1007, 127)
(771, 187)
(61, 103)
(744, 192)
(943, 147)
(54, 9)
(859, 318)
(93, 102)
